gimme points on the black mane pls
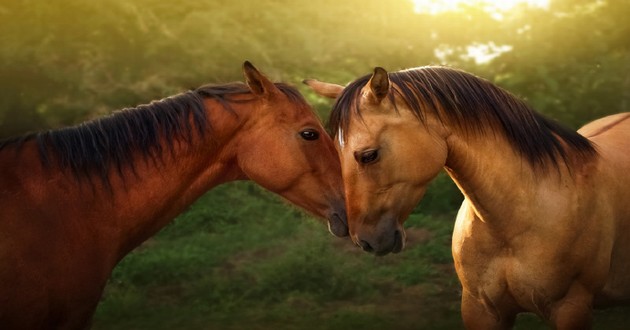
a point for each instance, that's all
(470, 103)
(108, 142)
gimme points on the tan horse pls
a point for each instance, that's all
(75, 201)
(545, 224)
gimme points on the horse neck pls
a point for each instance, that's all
(497, 181)
(150, 195)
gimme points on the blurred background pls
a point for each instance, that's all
(240, 258)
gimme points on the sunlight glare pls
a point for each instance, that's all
(477, 52)
(480, 53)
(494, 7)
(484, 53)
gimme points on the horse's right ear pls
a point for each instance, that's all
(324, 89)
(256, 81)
(379, 84)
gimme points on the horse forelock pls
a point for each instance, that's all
(345, 106)
(112, 142)
(475, 106)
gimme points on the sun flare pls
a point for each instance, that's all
(495, 7)
(480, 53)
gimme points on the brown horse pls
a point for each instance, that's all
(545, 224)
(75, 201)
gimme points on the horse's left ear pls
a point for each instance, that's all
(379, 84)
(256, 81)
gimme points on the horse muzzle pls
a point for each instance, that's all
(338, 224)
(388, 237)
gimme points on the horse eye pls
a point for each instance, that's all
(309, 135)
(366, 157)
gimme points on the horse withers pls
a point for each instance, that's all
(545, 224)
(75, 201)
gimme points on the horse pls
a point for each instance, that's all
(545, 222)
(74, 201)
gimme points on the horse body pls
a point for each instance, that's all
(59, 251)
(66, 221)
(544, 226)
(523, 242)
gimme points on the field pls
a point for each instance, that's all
(240, 258)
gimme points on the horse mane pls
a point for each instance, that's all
(473, 105)
(111, 141)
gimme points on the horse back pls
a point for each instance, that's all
(611, 137)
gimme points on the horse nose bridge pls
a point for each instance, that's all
(320, 194)
(329, 190)
(335, 187)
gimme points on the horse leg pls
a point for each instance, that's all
(575, 310)
(484, 315)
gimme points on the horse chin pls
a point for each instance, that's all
(337, 226)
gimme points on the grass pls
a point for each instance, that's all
(242, 259)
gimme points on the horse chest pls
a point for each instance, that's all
(496, 272)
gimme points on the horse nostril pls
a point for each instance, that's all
(338, 225)
(366, 246)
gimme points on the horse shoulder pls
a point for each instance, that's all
(477, 253)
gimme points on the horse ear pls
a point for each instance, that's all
(323, 88)
(256, 81)
(379, 84)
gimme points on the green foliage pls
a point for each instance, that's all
(65, 62)
(73, 59)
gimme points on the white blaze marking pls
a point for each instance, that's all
(340, 137)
